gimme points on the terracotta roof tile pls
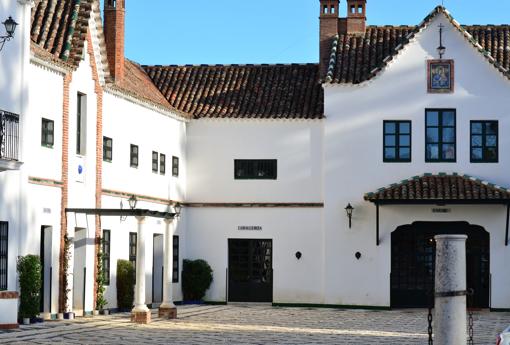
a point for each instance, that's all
(440, 187)
(59, 27)
(355, 59)
(242, 91)
(137, 83)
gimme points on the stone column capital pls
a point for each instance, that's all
(26, 2)
(140, 219)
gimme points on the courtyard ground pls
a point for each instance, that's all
(251, 324)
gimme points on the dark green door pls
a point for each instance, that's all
(413, 255)
(250, 274)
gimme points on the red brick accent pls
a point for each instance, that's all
(328, 31)
(167, 313)
(9, 326)
(143, 317)
(9, 295)
(114, 23)
(99, 151)
(355, 23)
(65, 186)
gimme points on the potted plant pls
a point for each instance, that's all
(125, 285)
(196, 279)
(101, 301)
(67, 258)
(29, 272)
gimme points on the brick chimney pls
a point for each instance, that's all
(114, 24)
(328, 30)
(355, 23)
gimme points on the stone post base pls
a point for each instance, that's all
(142, 317)
(167, 313)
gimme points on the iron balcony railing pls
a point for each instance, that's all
(9, 136)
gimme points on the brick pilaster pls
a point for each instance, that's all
(65, 188)
(99, 153)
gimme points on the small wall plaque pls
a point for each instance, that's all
(441, 210)
(249, 228)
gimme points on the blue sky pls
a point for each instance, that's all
(264, 31)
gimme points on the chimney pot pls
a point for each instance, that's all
(114, 28)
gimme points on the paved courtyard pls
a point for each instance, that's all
(251, 325)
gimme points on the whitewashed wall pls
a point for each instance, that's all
(291, 229)
(353, 162)
(129, 123)
(214, 144)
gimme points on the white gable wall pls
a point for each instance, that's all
(353, 159)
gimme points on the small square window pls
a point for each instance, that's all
(155, 162)
(134, 156)
(162, 164)
(175, 166)
(107, 149)
(47, 133)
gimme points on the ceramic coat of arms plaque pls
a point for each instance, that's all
(440, 75)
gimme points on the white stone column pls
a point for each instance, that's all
(450, 327)
(140, 313)
(167, 308)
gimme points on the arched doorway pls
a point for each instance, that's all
(413, 254)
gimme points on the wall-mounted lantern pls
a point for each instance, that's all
(177, 209)
(10, 28)
(133, 201)
(348, 210)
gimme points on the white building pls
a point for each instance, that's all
(264, 158)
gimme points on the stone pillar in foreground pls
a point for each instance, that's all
(140, 313)
(450, 290)
(167, 309)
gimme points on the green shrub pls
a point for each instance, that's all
(29, 271)
(101, 301)
(196, 279)
(125, 284)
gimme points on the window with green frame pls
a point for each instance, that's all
(484, 141)
(440, 135)
(47, 133)
(397, 141)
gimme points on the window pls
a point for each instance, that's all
(107, 149)
(484, 141)
(175, 166)
(155, 162)
(132, 249)
(133, 156)
(255, 169)
(4, 244)
(440, 145)
(397, 141)
(106, 256)
(81, 124)
(175, 271)
(162, 164)
(47, 131)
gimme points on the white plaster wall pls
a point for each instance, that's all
(46, 101)
(353, 162)
(120, 245)
(213, 145)
(291, 229)
(129, 123)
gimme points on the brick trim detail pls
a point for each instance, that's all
(99, 154)
(9, 326)
(65, 187)
(9, 295)
(44, 182)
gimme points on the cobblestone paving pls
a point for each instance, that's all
(251, 325)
